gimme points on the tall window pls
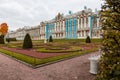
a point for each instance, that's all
(82, 22)
(86, 21)
(79, 22)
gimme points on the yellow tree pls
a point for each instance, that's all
(3, 29)
(3, 32)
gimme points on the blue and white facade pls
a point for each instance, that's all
(73, 26)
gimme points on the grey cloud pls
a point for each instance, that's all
(19, 13)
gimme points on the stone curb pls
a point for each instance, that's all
(41, 65)
(20, 61)
(45, 64)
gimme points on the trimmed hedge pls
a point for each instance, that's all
(27, 42)
(50, 39)
(88, 40)
(12, 39)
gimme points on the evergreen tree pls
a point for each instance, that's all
(27, 42)
(50, 39)
(2, 39)
(88, 39)
(8, 40)
(110, 59)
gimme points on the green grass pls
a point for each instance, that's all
(18, 56)
(70, 55)
(76, 45)
(76, 40)
(35, 61)
(57, 50)
(58, 42)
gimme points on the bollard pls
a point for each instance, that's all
(94, 64)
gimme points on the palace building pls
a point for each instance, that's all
(20, 33)
(72, 26)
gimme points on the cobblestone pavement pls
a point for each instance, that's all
(72, 69)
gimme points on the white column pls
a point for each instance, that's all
(63, 29)
(78, 34)
(60, 25)
(98, 22)
(55, 27)
(44, 29)
(78, 23)
(40, 30)
(81, 23)
(89, 21)
(81, 33)
(84, 33)
(63, 25)
(84, 21)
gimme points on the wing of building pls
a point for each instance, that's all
(72, 26)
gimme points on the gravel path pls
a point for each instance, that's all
(72, 69)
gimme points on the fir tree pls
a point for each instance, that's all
(8, 40)
(50, 39)
(2, 39)
(110, 59)
(88, 39)
(27, 42)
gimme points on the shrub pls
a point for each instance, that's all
(27, 42)
(12, 39)
(110, 60)
(50, 39)
(88, 39)
(2, 39)
(8, 40)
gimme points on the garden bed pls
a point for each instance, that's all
(48, 53)
(34, 61)
(59, 49)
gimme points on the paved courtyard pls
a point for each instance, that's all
(72, 69)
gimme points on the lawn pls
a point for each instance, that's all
(37, 61)
(72, 47)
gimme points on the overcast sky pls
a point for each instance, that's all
(20, 13)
